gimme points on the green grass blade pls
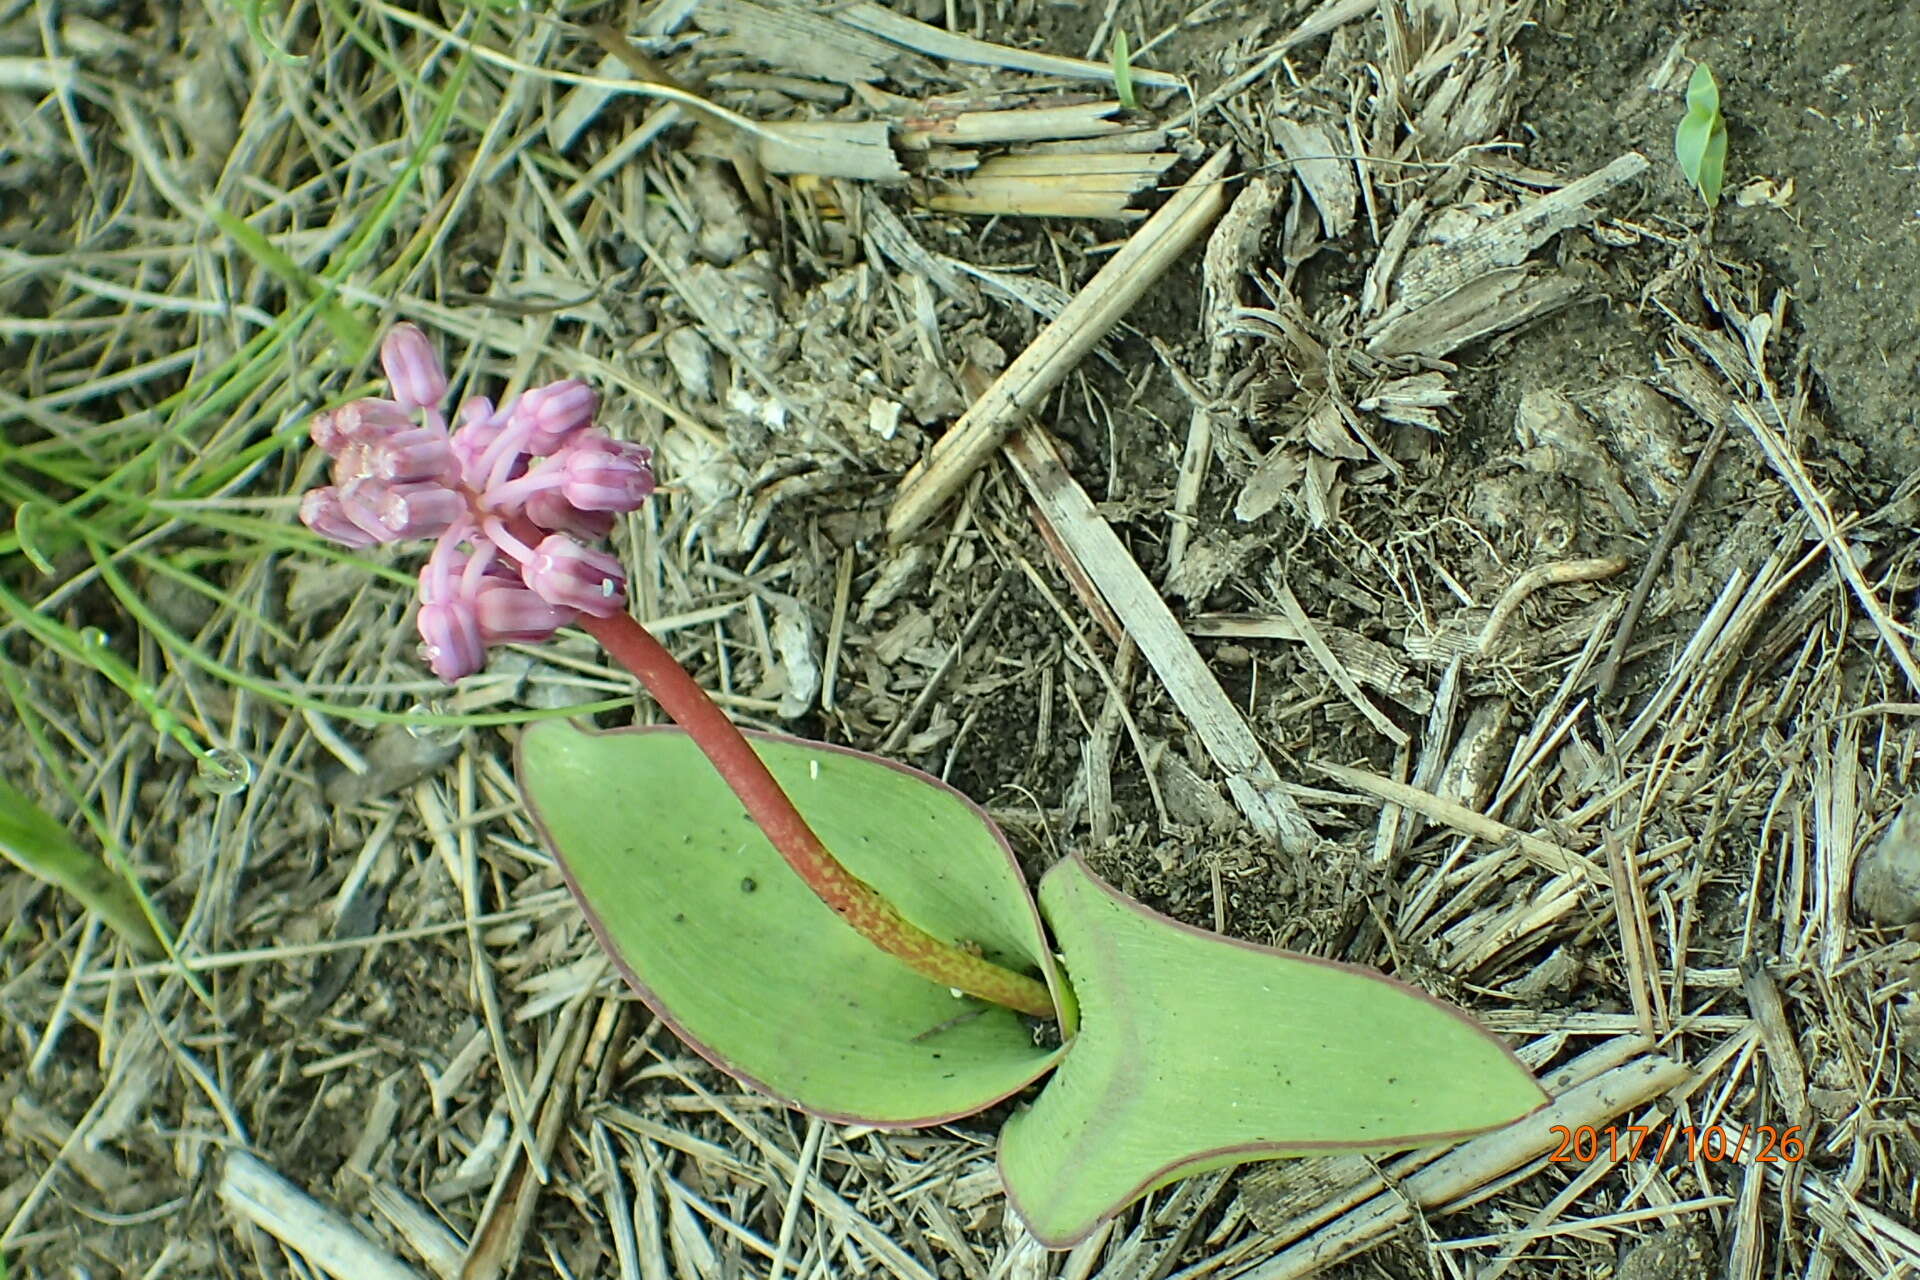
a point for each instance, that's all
(34, 842)
(251, 14)
(353, 334)
(34, 726)
(219, 595)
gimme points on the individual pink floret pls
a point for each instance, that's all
(321, 511)
(364, 500)
(451, 632)
(555, 412)
(478, 432)
(604, 474)
(353, 462)
(423, 510)
(416, 453)
(367, 420)
(574, 576)
(552, 512)
(511, 614)
(413, 368)
(324, 428)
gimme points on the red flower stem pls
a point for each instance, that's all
(851, 898)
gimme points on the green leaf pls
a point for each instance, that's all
(1197, 1051)
(250, 13)
(727, 945)
(1123, 71)
(26, 519)
(30, 838)
(1703, 93)
(1700, 139)
(352, 333)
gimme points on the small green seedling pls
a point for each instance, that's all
(1700, 139)
(1123, 71)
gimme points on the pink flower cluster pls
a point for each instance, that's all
(534, 470)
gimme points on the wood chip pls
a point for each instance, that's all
(1320, 164)
(1251, 779)
(1024, 124)
(951, 47)
(1053, 186)
(258, 1195)
(1058, 348)
(857, 149)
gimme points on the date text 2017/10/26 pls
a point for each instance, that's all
(1761, 1144)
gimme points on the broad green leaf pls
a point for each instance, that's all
(32, 840)
(1197, 1051)
(726, 944)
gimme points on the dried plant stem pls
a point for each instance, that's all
(850, 897)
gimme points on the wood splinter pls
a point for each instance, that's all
(1059, 348)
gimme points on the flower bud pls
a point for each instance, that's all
(421, 510)
(479, 410)
(324, 428)
(469, 442)
(556, 412)
(413, 368)
(604, 474)
(418, 453)
(509, 613)
(565, 573)
(353, 462)
(364, 421)
(451, 632)
(555, 514)
(321, 511)
(364, 501)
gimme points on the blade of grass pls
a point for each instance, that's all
(30, 720)
(243, 373)
(219, 595)
(354, 335)
(251, 12)
(34, 842)
(89, 648)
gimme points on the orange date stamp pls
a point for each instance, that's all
(1712, 1143)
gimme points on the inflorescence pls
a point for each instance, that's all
(515, 496)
